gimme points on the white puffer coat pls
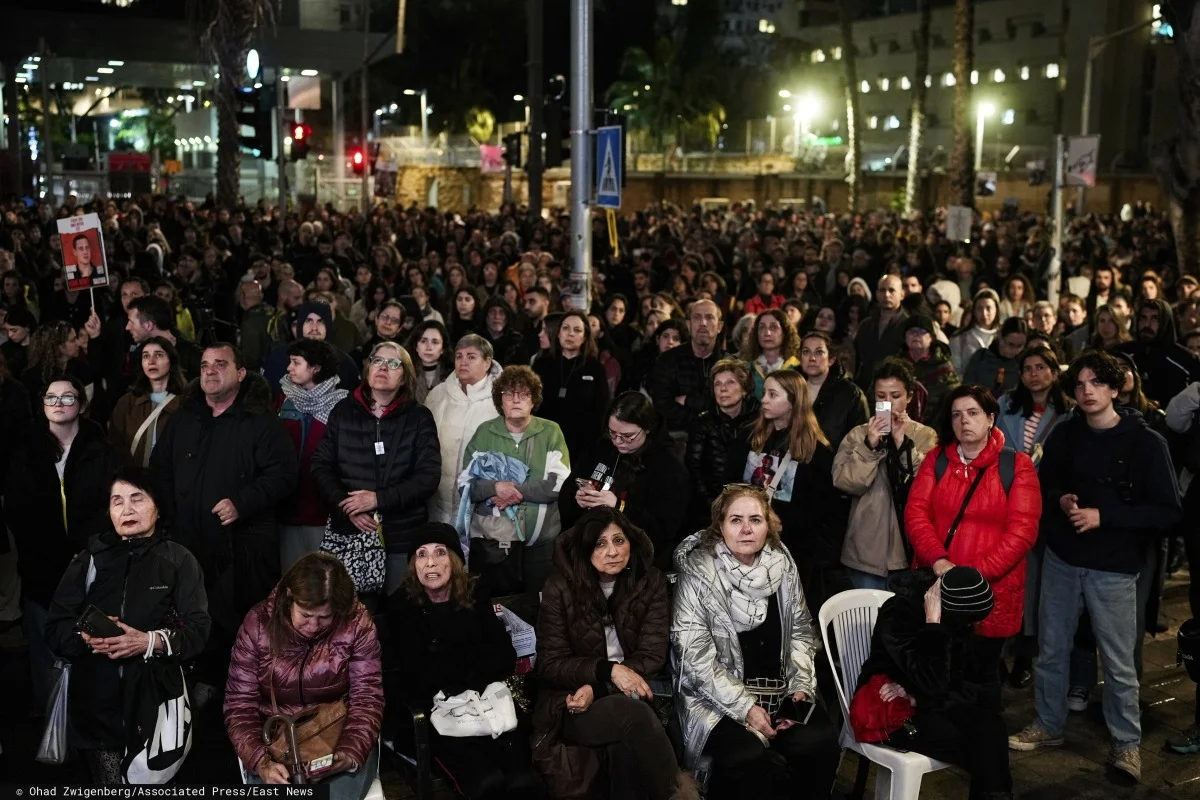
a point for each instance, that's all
(457, 415)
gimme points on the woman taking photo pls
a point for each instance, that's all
(574, 385)
(379, 461)
(141, 415)
(311, 642)
(55, 498)
(967, 516)
(447, 638)
(602, 637)
(772, 345)
(435, 361)
(634, 471)
(742, 636)
(133, 573)
(786, 453)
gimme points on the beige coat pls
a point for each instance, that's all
(874, 539)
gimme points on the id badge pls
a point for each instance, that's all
(379, 448)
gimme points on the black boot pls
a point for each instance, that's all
(1022, 672)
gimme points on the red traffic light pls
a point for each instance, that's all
(358, 158)
(300, 133)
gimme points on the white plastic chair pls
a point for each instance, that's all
(852, 615)
(374, 793)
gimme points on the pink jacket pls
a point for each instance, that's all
(343, 662)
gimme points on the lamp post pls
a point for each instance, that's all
(984, 111)
(424, 93)
(807, 107)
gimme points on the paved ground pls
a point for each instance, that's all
(1073, 771)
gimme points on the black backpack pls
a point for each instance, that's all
(1006, 463)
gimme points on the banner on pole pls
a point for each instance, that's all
(1083, 154)
(958, 223)
(491, 159)
(82, 245)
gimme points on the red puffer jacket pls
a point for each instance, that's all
(344, 662)
(995, 534)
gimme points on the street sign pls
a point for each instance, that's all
(608, 166)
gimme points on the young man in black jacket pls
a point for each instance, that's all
(1107, 485)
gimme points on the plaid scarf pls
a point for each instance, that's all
(750, 587)
(317, 401)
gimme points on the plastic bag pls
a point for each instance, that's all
(53, 749)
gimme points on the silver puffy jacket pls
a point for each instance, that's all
(706, 656)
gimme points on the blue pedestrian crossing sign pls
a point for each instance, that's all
(608, 166)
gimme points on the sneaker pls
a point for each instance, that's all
(1033, 737)
(1077, 698)
(1185, 743)
(1127, 762)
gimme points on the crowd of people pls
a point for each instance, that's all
(327, 442)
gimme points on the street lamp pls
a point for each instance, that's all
(424, 113)
(784, 93)
(807, 107)
(984, 110)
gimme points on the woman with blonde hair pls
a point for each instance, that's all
(1111, 329)
(744, 652)
(786, 453)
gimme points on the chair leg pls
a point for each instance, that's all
(883, 783)
(860, 778)
(906, 785)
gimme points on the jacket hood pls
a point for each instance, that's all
(510, 316)
(567, 548)
(254, 396)
(860, 282)
(1166, 322)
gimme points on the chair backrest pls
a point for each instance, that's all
(852, 615)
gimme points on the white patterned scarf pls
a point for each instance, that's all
(750, 587)
(318, 401)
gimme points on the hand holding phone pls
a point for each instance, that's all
(97, 624)
(793, 712)
(883, 410)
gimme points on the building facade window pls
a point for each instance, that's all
(998, 75)
(818, 56)
(866, 86)
(891, 123)
(1051, 70)
(1010, 116)
(948, 79)
(872, 122)
(1024, 73)
(905, 83)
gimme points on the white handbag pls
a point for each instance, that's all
(471, 713)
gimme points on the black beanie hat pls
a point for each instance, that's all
(922, 321)
(437, 533)
(322, 310)
(966, 596)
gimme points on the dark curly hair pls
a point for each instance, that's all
(1106, 368)
(517, 376)
(791, 340)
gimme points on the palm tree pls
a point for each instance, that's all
(912, 187)
(227, 29)
(962, 153)
(1175, 161)
(854, 146)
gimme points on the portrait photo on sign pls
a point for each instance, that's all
(84, 264)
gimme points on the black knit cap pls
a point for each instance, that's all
(922, 321)
(437, 533)
(966, 596)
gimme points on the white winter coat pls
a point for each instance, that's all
(457, 415)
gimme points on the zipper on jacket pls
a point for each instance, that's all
(125, 582)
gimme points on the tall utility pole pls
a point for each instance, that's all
(46, 145)
(579, 294)
(280, 131)
(533, 96)
(365, 112)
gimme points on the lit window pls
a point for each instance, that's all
(884, 84)
(866, 86)
(998, 76)
(766, 26)
(818, 56)
(905, 83)
(836, 52)
(928, 81)
(1024, 73)
(835, 124)
(873, 122)
(948, 79)
(974, 77)
(1010, 116)
(891, 123)
(1158, 27)
(1052, 70)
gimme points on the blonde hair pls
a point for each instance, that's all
(714, 534)
(804, 432)
(408, 382)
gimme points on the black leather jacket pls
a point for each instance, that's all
(840, 406)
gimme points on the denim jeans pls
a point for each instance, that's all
(1111, 600)
(865, 580)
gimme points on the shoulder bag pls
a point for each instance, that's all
(305, 741)
(471, 713)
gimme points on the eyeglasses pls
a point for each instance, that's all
(52, 400)
(516, 394)
(391, 363)
(623, 438)
(390, 318)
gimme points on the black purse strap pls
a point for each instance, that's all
(963, 510)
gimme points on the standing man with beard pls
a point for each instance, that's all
(1166, 366)
(679, 386)
(227, 461)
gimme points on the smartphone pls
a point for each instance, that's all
(797, 712)
(583, 483)
(95, 622)
(883, 408)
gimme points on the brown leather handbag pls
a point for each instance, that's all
(305, 741)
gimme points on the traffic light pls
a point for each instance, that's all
(512, 150)
(255, 107)
(301, 141)
(358, 161)
(558, 133)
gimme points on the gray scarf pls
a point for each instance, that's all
(317, 401)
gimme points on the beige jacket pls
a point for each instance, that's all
(874, 539)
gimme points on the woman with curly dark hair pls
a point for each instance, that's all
(433, 357)
(446, 638)
(54, 350)
(772, 345)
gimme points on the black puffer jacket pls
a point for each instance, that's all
(680, 372)
(33, 505)
(712, 437)
(840, 406)
(244, 455)
(404, 476)
(653, 484)
(575, 395)
(149, 584)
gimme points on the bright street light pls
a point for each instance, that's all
(410, 92)
(519, 98)
(984, 110)
(784, 93)
(807, 107)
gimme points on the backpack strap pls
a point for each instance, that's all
(940, 464)
(1007, 464)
